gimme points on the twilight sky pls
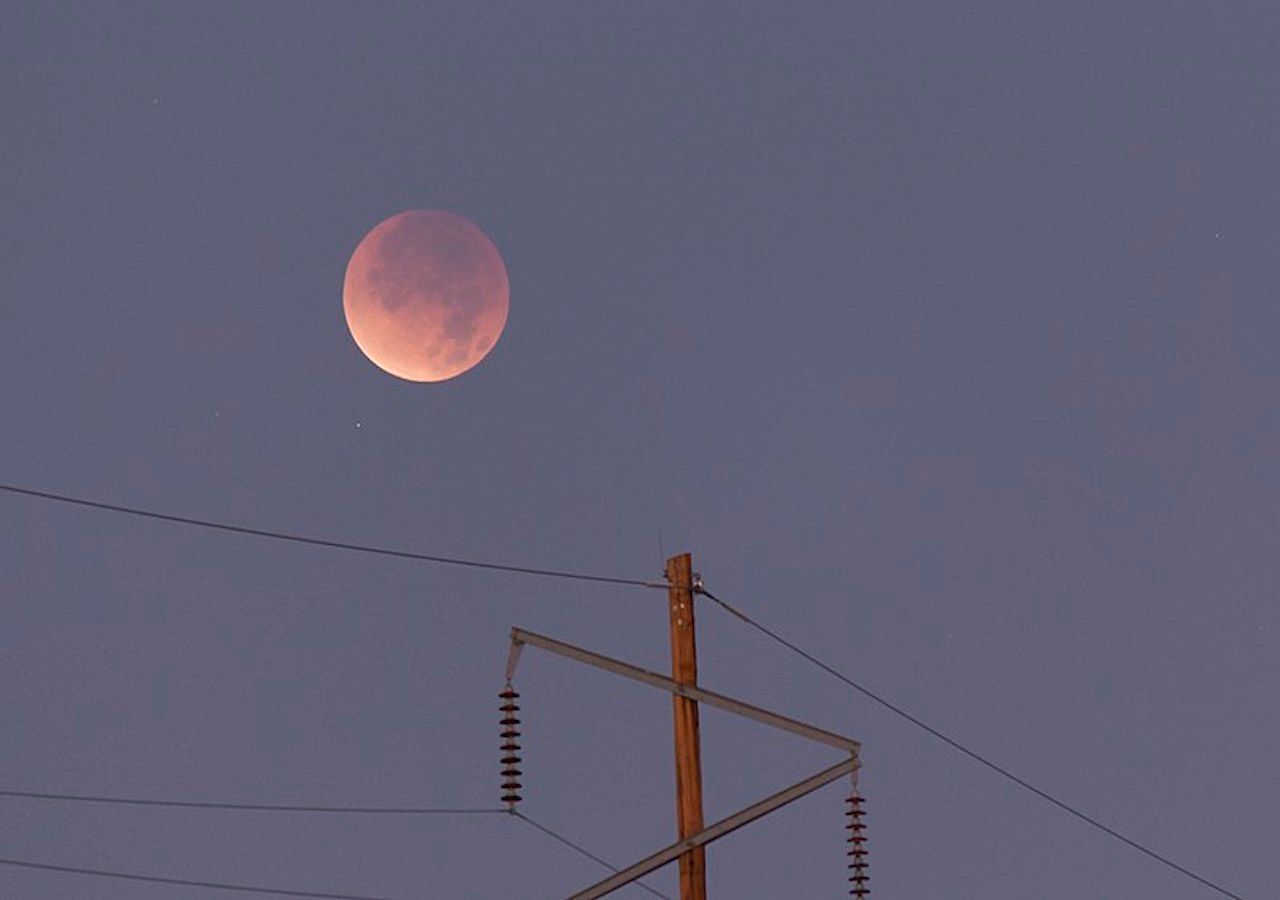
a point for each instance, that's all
(945, 339)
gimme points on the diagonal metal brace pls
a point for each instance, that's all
(718, 830)
(519, 637)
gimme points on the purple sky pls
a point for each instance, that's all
(945, 339)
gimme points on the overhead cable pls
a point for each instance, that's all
(258, 807)
(972, 754)
(325, 542)
(582, 850)
(157, 879)
(196, 804)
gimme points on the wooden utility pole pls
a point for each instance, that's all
(684, 670)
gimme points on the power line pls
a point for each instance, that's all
(271, 807)
(157, 879)
(521, 570)
(258, 807)
(972, 754)
(324, 542)
(582, 850)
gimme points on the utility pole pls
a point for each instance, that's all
(694, 834)
(684, 671)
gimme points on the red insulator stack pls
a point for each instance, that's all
(510, 747)
(857, 850)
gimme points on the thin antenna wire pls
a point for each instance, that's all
(156, 879)
(587, 853)
(258, 807)
(323, 542)
(972, 754)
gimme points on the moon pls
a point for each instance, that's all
(426, 295)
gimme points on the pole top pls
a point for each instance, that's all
(679, 573)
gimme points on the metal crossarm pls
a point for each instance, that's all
(520, 637)
(718, 830)
(693, 836)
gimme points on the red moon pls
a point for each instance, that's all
(426, 295)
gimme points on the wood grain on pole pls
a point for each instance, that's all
(684, 669)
